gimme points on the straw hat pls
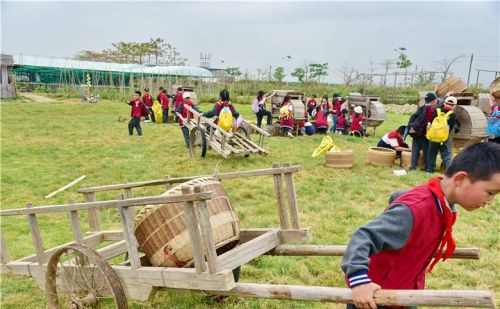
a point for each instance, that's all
(358, 109)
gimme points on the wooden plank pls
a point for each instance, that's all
(292, 198)
(194, 232)
(113, 250)
(328, 250)
(303, 235)
(206, 233)
(251, 233)
(278, 188)
(250, 250)
(128, 191)
(5, 258)
(128, 231)
(36, 237)
(75, 225)
(69, 185)
(433, 298)
(109, 204)
(112, 235)
(93, 214)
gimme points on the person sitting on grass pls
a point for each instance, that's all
(357, 122)
(321, 123)
(138, 110)
(394, 140)
(342, 123)
(186, 100)
(395, 249)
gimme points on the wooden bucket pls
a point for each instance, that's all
(471, 121)
(161, 230)
(453, 83)
(405, 160)
(298, 109)
(381, 156)
(339, 159)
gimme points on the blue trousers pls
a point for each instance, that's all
(419, 143)
(335, 120)
(445, 152)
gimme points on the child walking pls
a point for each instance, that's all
(138, 110)
(184, 113)
(415, 232)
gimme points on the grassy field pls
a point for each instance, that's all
(48, 144)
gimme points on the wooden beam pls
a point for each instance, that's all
(75, 225)
(303, 235)
(292, 198)
(206, 233)
(128, 231)
(432, 298)
(69, 185)
(325, 250)
(250, 250)
(194, 232)
(280, 198)
(112, 235)
(109, 204)
(93, 214)
(5, 258)
(113, 250)
(36, 237)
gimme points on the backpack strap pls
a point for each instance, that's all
(448, 114)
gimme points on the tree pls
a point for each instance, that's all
(349, 75)
(445, 65)
(318, 70)
(403, 61)
(300, 74)
(234, 72)
(279, 74)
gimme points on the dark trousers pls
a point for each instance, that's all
(260, 114)
(185, 133)
(285, 130)
(321, 130)
(165, 115)
(419, 143)
(335, 119)
(445, 152)
(150, 109)
(135, 122)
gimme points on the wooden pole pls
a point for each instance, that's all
(194, 232)
(324, 250)
(206, 233)
(69, 185)
(432, 298)
(278, 188)
(292, 198)
(94, 218)
(35, 236)
(75, 224)
(5, 258)
(128, 232)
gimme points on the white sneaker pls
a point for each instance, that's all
(147, 120)
(290, 134)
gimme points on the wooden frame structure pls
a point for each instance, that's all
(204, 133)
(212, 273)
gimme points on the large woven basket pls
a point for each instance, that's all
(405, 160)
(339, 159)
(454, 83)
(381, 156)
(161, 230)
(495, 88)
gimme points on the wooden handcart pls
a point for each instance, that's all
(204, 133)
(80, 274)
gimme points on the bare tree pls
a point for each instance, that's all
(387, 63)
(446, 63)
(349, 75)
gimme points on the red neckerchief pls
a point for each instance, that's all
(449, 219)
(394, 134)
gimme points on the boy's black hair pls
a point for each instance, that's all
(480, 161)
(164, 90)
(179, 89)
(344, 111)
(161, 88)
(401, 130)
(314, 96)
(287, 98)
(138, 92)
(224, 95)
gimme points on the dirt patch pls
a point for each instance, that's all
(37, 98)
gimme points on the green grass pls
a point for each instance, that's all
(46, 145)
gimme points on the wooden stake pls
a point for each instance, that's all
(75, 224)
(278, 188)
(69, 185)
(194, 233)
(206, 233)
(94, 218)
(3, 253)
(292, 198)
(128, 231)
(35, 237)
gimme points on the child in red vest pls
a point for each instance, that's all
(311, 105)
(342, 123)
(186, 100)
(321, 123)
(147, 99)
(395, 250)
(287, 120)
(223, 102)
(160, 91)
(336, 107)
(138, 110)
(394, 140)
(164, 104)
(357, 121)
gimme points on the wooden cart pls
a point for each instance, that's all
(80, 274)
(204, 133)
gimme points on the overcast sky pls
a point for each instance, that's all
(254, 35)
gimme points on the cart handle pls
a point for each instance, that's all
(256, 128)
(208, 121)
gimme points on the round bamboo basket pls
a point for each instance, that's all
(405, 161)
(381, 156)
(453, 83)
(339, 159)
(161, 230)
(495, 88)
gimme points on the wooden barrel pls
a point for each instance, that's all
(453, 83)
(471, 121)
(161, 230)
(483, 102)
(298, 109)
(339, 159)
(381, 156)
(376, 114)
(405, 160)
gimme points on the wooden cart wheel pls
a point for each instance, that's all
(78, 277)
(197, 143)
(243, 132)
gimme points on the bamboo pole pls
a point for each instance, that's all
(69, 185)
(431, 298)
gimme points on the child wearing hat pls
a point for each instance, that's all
(181, 109)
(147, 99)
(415, 232)
(357, 121)
(445, 148)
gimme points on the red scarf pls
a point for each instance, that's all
(449, 219)
(394, 134)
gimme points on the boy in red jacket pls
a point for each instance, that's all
(395, 249)
(147, 99)
(164, 104)
(357, 121)
(138, 110)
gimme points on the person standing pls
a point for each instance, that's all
(147, 99)
(336, 107)
(311, 105)
(164, 105)
(259, 109)
(138, 110)
(184, 113)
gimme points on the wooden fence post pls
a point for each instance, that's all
(35, 236)
(128, 231)
(75, 224)
(278, 188)
(194, 232)
(206, 233)
(168, 185)
(94, 218)
(3, 253)
(292, 198)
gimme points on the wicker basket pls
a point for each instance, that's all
(339, 159)
(495, 88)
(161, 230)
(405, 160)
(381, 156)
(454, 83)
